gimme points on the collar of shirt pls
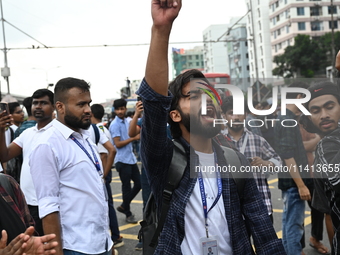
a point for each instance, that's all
(66, 131)
(43, 128)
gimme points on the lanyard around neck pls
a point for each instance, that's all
(95, 161)
(203, 196)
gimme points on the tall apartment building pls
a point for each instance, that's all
(259, 45)
(289, 18)
(238, 54)
(187, 59)
(215, 53)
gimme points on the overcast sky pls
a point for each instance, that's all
(96, 22)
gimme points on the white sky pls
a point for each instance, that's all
(96, 22)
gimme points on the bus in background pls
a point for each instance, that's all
(217, 78)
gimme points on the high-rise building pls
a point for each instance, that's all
(289, 18)
(259, 46)
(238, 56)
(215, 53)
(187, 59)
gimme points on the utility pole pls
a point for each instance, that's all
(255, 52)
(333, 44)
(5, 72)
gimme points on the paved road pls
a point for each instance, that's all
(130, 231)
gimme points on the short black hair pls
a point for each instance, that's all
(66, 84)
(97, 111)
(43, 92)
(119, 103)
(12, 106)
(227, 104)
(27, 103)
(175, 88)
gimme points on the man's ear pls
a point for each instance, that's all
(60, 107)
(175, 116)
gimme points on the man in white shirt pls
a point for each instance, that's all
(107, 161)
(42, 109)
(69, 177)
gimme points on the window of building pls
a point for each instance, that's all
(261, 50)
(277, 4)
(300, 11)
(273, 7)
(301, 26)
(258, 12)
(190, 57)
(197, 63)
(278, 18)
(286, 1)
(259, 25)
(287, 29)
(335, 24)
(335, 10)
(275, 47)
(247, 67)
(278, 32)
(274, 34)
(247, 55)
(288, 42)
(260, 38)
(279, 46)
(315, 11)
(316, 26)
(197, 57)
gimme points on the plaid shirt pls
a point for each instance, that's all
(18, 204)
(328, 154)
(288, 144)
(257, 146)
(156, 154)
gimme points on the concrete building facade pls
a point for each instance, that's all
(259, 45)
(289, 18)
(184, 59)
(215, 53)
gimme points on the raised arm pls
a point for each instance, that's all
(13, 150)
(337, 61)
(133, 128)
(164, 12)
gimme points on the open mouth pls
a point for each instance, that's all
(211, 113)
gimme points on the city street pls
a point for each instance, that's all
(130, 231)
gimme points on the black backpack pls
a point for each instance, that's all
(151, 226)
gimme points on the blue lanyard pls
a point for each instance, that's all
(204, 199)
(95, 162)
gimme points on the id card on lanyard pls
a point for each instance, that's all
(209, 244)
(94, 161)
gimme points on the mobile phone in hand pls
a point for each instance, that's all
(4, 107)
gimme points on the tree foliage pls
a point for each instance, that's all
(306, 57)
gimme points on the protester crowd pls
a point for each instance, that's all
(55, 188)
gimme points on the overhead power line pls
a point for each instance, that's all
(33, 47)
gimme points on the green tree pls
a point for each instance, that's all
(300, 60)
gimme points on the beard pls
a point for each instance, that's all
(75, 122)
(235, 128)
(194, 126)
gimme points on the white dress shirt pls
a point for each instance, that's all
(67, 181)
(27, 141)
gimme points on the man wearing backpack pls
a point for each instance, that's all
(201, 209)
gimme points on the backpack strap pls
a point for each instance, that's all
(96, 133)
(12, 133)
(175, 174)
(239, 177)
